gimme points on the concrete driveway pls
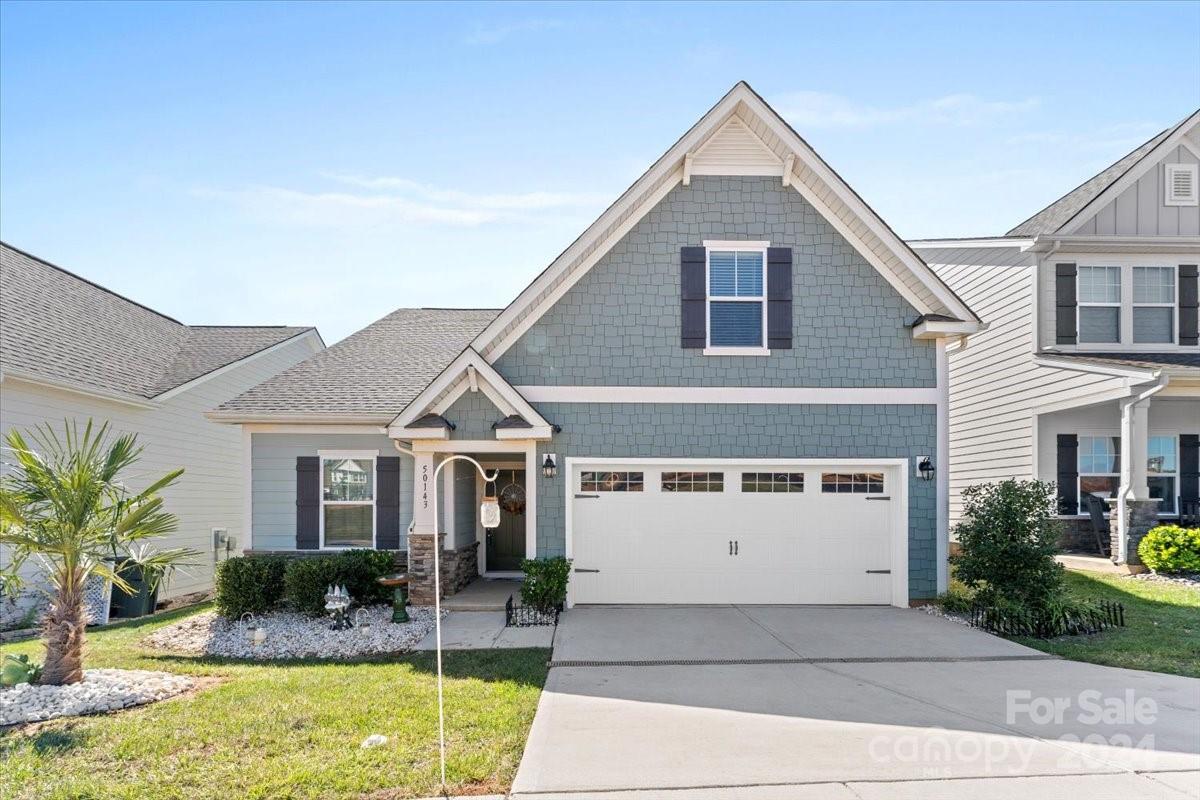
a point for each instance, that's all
(760, 703)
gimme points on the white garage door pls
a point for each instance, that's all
(717, 532)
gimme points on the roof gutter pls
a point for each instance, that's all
(1052, 243)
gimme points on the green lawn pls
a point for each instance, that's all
(283, 730)
(1161, 633)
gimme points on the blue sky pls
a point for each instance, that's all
(326, 163)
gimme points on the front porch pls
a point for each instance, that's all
(1138, 455)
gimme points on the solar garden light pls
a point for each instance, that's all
(256, 634)
(489, 515)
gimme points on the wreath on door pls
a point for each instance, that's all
(512, 496)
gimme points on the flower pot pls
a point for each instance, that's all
(141, 602)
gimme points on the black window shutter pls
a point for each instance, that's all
(308, 502)
(1189, 300)
(1064, 303)
(1068, 473)
(693, 331)
(779, 298)
(1189, 466)
(387, 503)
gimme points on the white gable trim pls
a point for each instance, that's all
(451, 383)
(310, 337)
(1147, 162)
(669, 171)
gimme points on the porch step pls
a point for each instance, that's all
(484, 594)
(1097, 564)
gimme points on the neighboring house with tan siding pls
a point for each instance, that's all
(1089, 371)
(70, 349)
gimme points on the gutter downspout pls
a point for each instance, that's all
(1126, 486)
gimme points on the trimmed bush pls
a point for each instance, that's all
(958, 598)
(545, 584)
(248, 584)
(1170, 548)
(306, 579)
(1009, 537)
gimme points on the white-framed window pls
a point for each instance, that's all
(1162, 468)
(1099, 297)
(1154, 305)
(1180, 184)
(1099, 468)
(736, 308)
(347, 499)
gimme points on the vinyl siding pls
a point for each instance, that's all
(176, 434)
(995, 385)
(1140, 210)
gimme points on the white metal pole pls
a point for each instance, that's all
(437, 601)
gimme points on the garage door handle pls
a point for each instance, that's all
(731, 547)
(587, 497)
(881, 497)
(869, 572)
(580, 569)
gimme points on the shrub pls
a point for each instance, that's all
(1170, 548)
(306, 579)
(248, 584)
(958, 597)
(1008, 538)
(545, 585)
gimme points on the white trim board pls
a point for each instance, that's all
(742, 395)
(311, 337)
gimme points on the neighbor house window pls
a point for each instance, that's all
(775, 482)
(693, 482)
(1153, 305)
(1162, 467)
(852, 482)
(1099, 468)
(737, 298)
(610, 481)
(347, 501)
(1099, 291)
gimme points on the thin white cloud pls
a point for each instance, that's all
(369, 201)
(1119, 136)
(807, 109)
(484, 36)
(526, 201)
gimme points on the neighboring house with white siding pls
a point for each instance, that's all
(1089, 371)
(72, 350)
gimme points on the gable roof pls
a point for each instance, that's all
(1059, 216)
(371, 374)
(799, 166)
(58, 327)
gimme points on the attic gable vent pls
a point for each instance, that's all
(1181, 185)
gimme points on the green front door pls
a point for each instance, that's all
(506, 544)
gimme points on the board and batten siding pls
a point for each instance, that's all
(996, 387)
(174, 434)
(1140, 209)
(273, 479)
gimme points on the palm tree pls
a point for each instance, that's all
(64, 503)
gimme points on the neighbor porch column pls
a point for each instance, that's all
(1134, 513)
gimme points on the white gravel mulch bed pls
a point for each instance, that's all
(934, 610)
(1183, 579)
(291, 635)
(101, 690)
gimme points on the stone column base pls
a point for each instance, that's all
(1141, 516)
(458, 567)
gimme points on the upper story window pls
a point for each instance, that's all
(347, 500)
(1099, 305)
(737, 302)
(1154, 305)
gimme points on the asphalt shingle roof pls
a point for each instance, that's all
(1051, 218)
(375, 372)
(58, 326)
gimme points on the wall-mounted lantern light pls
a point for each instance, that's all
(550, 466)
(925, 468)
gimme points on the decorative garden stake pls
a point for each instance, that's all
(489, 515)
(255, 633)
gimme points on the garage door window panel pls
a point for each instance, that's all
(675, 482)
(852, 482)
(611, 481)
(773, 482)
